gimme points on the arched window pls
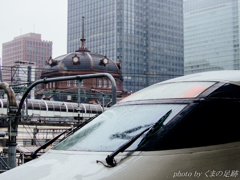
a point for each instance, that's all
(100, 83)
(104, 83)
(68, 83)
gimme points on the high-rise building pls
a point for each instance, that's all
(211, 35)
(146, 35)
(29, 48)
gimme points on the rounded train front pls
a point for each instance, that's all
(181, 128)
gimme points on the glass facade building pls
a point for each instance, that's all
(211, 35)
(146, 35)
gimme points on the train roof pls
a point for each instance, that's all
(228, 76)
(189, 86)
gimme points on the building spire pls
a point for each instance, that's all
(83, 48)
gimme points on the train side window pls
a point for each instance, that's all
(43, 105)
(63, 108)
(36, 106)
(209, 124)
(50, 106)
(81, 107)
(5, 104)
(70, 108)
(57, 106)
(75, 108)
(30, 105)
(227, 91)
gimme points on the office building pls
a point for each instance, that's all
(25, 48)
(211, 35)
(146, 35)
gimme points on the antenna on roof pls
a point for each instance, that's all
(83, 48)
(83, 33)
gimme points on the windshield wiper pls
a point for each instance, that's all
(69, 132)
(110, 158)
(154, 128)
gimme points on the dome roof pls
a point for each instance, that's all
(85, 61)
(80, 62)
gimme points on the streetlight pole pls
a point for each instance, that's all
(79, 98)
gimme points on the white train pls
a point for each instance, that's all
(54, 110)
(184, 128)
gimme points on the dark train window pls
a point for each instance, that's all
(70, 108)
(36, 106)
(5, 104)
(210, 123)
(57, 106)
(63, 108)
(227, 91)
(29, 105)
(75, 107)
(50, 107)
(43, 107)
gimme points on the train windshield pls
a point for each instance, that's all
(170, 90)
(116, 126)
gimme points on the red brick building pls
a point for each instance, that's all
(83, 62)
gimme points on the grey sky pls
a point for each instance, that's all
(46, 17)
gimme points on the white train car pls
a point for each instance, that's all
(50, 110)
(184, 128)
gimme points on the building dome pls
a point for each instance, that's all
(77, 63)
(83, 62)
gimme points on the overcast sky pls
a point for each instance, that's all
(46, 17)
